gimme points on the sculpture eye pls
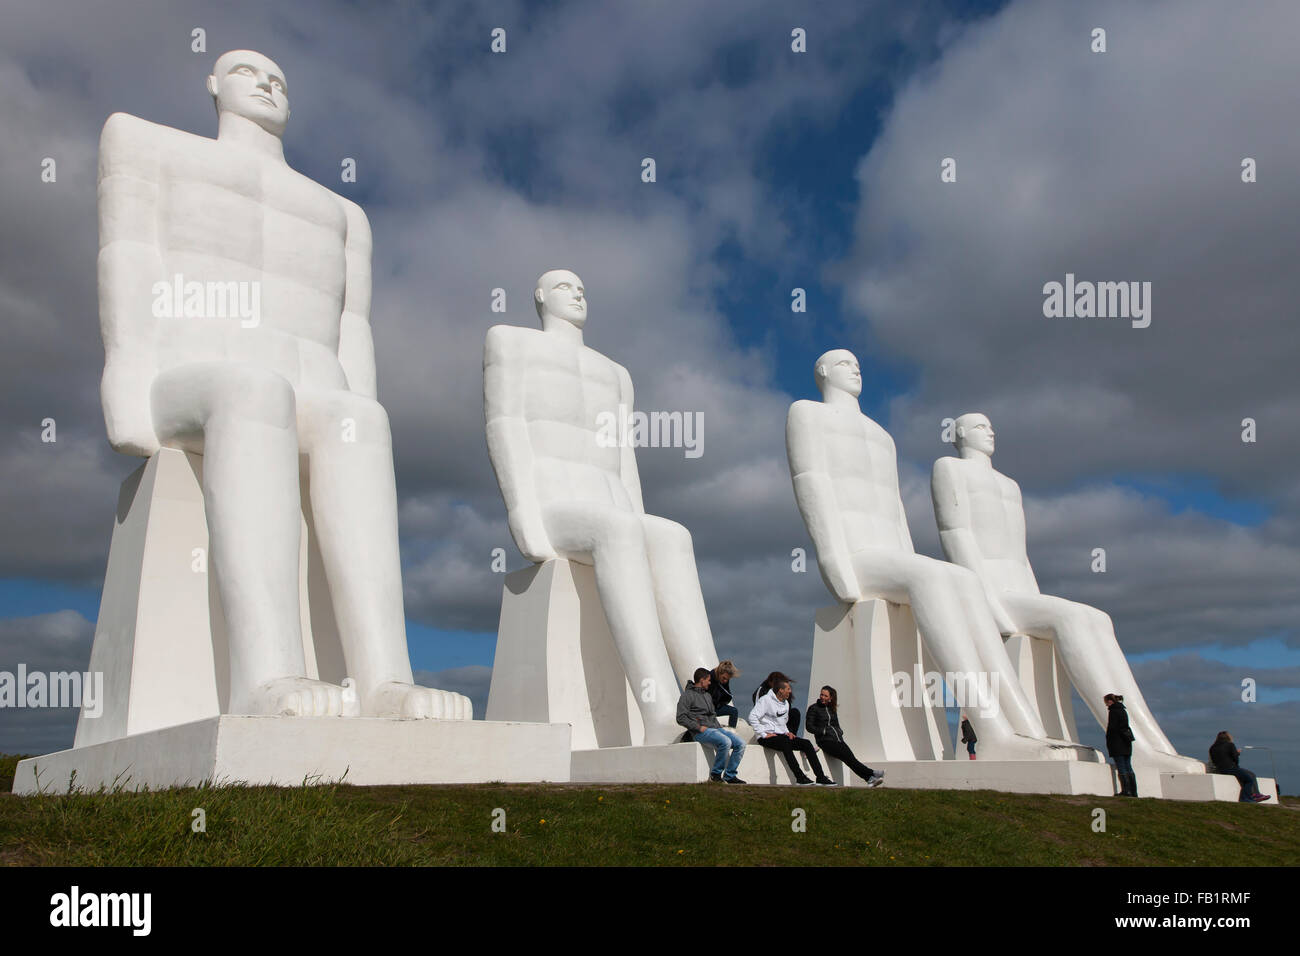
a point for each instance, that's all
(276, 84)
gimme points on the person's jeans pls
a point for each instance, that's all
(1249, 785)
(841, 752)
(724, 743)
(787, 747)
(970, 747)
(1123, 762)
(729, 711)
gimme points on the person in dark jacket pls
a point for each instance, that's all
(720, 691)
(772, 680)
(824, 724)
(968, 736)
(1119, 744)
(1223, 758)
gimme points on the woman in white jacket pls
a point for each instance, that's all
(768, 720)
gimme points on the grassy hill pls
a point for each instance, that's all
(672, 825)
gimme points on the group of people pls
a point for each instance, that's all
(1223, 755)
(775, 721)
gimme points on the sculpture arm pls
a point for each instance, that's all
(627, 469)
(953, 515)
(130, 270)
(509, 446)
(815, 495)
(356, 344)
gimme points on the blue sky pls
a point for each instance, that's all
(775, 171)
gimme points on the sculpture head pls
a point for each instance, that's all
(974, 431)
(838, 370)
(560, 293)
(251, 85)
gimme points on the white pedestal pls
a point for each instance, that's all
(857, 650)
(556, 661)
(1212, 786)
(1043, 678)
(288, 751)
(160, 640)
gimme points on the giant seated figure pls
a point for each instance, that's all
(275, 407)
(574, 508)
(981, 521)
(845, 474)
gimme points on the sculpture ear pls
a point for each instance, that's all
(212, 85)
(537, 295)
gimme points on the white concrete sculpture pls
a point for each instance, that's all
(234, 304)
(982, 527)
(572, 496)
(845, 473)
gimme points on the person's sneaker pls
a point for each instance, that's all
(715, 778)
(1261, 797)
(732, 780)
(876, 779)
(826, 782)
(804, 782)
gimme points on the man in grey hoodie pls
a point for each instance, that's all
(695, 712)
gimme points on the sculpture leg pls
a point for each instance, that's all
(613, 542)
(682, 616)
(1096, 666)
(353, 492)
(241, 419)
(959, 630)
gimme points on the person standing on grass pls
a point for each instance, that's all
(769, 720)
(1119, 744)
(824, 724)
(720, 691)
(968, 736)
(1223, 758)
(695, 713)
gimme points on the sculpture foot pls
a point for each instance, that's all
(1166, 762)
(396, 699)
(1020, 747)
(295, 697)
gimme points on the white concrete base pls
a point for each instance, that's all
(1211, 786)
(857, 650)
(1042, 676)
(160, 639)
(288, 751)
(690, 763)
(556, 661)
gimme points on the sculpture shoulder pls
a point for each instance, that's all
(949, 467)
(505, 341)
(804, 410)
(358, 223)
(124, 134)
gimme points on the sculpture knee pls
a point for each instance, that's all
(344, 416)
(668, 534)
(621, 532)
(248, 393)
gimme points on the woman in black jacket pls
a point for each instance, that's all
(1119, 744)
(824, 724)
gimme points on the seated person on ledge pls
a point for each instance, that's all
(768, 718)
(1223, 757)
(695, 713)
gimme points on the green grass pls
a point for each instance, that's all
(673, 825)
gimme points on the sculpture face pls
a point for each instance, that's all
(251, 85)
(560, 293)
(839, 370)
(975, 431)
